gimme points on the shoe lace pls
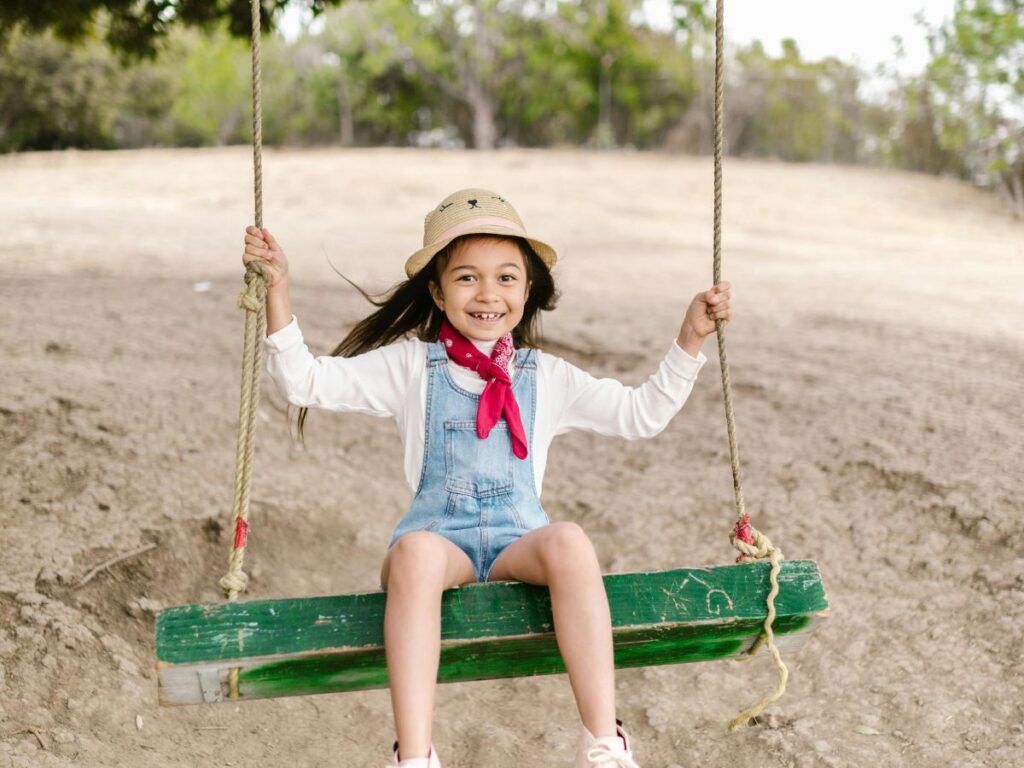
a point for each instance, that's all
(600, 756)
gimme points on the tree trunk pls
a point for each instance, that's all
(485, 132)
(345, 117)
(1017, 187)
(604, 136)
(479, 96)
(228, 127)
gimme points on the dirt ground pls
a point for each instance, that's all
(877, 356)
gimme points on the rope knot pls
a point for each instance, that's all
(234, 582)
(752, 544)
(253, 296)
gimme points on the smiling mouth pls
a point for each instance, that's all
(487, 316)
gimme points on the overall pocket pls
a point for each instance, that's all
(477, 467)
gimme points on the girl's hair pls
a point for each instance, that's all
(408, 308)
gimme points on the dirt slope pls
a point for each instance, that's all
(877, 352)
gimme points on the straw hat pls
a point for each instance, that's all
(472, 211)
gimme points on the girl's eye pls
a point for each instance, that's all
(464, 277)
(508, 278)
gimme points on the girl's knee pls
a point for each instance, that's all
(419, 554)
(567, 546)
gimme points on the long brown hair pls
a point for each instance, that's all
(407, 308)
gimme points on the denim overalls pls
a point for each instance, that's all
(474, 492)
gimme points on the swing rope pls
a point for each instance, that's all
(253, 301)
(751, 543)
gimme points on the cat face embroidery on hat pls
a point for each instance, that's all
(479, 207)
(473, 203)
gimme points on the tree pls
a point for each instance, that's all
(54, 95)
(605, 78)
(793, 109)
(459, 58)
(361, 80)
(211, 89)
(976, 77)
(136, 26)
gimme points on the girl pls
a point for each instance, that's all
(451, 354)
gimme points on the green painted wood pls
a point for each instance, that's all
(503, 629)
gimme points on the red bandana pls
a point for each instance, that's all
(498, 399)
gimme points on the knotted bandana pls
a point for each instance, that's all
(497, 399)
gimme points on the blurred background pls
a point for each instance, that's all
(935, 86)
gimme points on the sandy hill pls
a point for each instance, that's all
(877, 361)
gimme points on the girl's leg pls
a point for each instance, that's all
(416, 570)
(561, 556)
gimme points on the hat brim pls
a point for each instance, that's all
(422, 257)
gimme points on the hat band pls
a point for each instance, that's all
(481, 221)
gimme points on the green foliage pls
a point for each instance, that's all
(54, 95)
(46, 105)
(908, 133)
(473, 72)
(358, 87)
(976, 87)
(652, 88)
(210, 104)
(693, 16)
(794, 109)
(486, 73)
(136, 27)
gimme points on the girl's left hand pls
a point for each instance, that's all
(704, 310)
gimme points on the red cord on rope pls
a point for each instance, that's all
(742, 532)
(241, 532)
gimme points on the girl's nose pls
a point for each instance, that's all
(486, 291)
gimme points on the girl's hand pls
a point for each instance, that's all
(704, 310)
(261, 245)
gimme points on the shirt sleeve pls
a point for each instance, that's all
(608, 407)
(374, 383)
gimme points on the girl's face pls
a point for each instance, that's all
(483, 288)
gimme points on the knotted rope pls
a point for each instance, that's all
(253, 300)
(752, 544)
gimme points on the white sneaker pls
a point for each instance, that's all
(431, 761)
(606, 752)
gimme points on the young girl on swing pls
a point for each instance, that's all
(451, 354)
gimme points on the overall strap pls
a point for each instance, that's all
(526, 358)
(436, 354)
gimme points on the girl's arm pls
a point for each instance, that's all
(279, 307)
(376, 382)
(260, 245)
(699, 321)
(608, 407)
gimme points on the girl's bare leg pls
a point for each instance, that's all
(561, 556)
(416, 570)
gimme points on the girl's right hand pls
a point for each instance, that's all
(260, 245)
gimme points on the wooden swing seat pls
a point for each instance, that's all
(325, 644)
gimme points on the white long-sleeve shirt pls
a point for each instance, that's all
(392, 382)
